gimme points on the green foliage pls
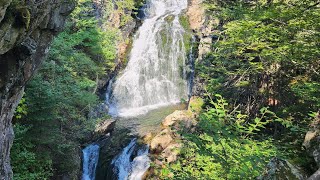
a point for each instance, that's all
(223, 148)
(261, 51)
(57, 104)
(139, 3)
(85, 39)
(266, 53)
(27, 164)
(125, 9)
(195, 104)
(308, 92)
(123, 6)
(21, 109)
(52, 118)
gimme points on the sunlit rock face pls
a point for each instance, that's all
(156, 74)
(26, 32)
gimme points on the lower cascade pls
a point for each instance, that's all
(90, 161)
(132, 162)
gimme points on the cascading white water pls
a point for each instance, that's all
(140, 164)
(191, 67)
(156, 72)
(127, 169)
(90, 161)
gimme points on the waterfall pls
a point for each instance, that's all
(127, 169)
(156, 72)
(140, 164)
(191, 67)
(90, 161)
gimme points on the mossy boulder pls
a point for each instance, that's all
(169, 19)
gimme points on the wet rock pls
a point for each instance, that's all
(169, 18)
(110, 148)
(278, 169)
(161, 141)
(109, 16)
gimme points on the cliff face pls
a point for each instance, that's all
(202, 25)
(110, 17)
(26, 31)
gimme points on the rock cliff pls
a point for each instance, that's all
(203, 26)
(312, 144)
(26, 31)
(113, 18)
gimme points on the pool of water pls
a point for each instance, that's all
(150, 122)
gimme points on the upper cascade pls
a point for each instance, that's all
(156, 72)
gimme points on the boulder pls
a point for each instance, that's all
(105, 127)
(161, 141)
(171, 153)
(279, 169)
(178, 115)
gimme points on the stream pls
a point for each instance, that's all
(153, 84)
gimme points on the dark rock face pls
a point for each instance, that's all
(26, 31)
(109, 149)
(312, 143)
